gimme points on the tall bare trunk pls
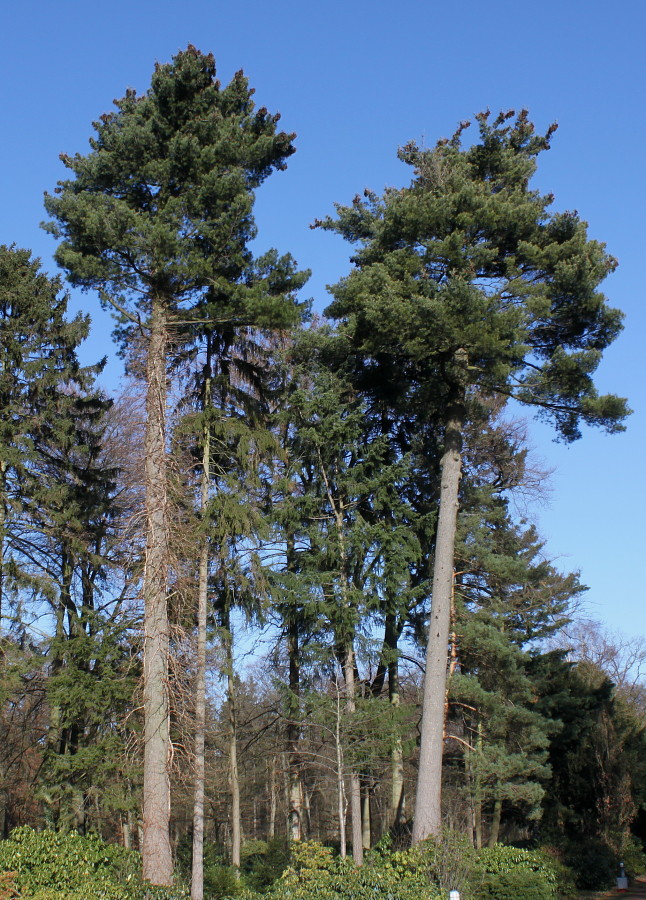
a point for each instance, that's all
(477, 791)
(197, 874)
(293, 734)
(157, 855)
(272, 798)
(355, 784)
(3, 525)
(366, 823)
(340, 778)
(338, 507)
(397, 752)
(236, 831)
(428, 802)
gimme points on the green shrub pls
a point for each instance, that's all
(316, 873)
(515, 885)
(594, 864)
(263, 862)
(54, 866)
(633, 857)
(508, 873)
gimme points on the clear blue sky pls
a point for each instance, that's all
(355, 79)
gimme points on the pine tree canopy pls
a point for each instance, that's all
(467, 277)
(162, 205)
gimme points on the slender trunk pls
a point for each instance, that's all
(495, 822)
(236, 839)
(340, 780)
(3, 525)
(157, 854)
(338, 508)
(428, 811)
(365, 818)
(272, 798)
(477, 792)
(397, 752)
(197, 874)
(293, 733)
(355, 784)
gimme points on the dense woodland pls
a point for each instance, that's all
(286, 586)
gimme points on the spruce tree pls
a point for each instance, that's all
(157, 219)
(40, 381)
(463, 280)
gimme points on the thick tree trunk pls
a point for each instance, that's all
(157, 855)
(428, 811)
(197, 873)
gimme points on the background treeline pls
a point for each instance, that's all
(216, 586)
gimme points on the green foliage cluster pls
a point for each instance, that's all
(50, 865)
(316, 872)
(509, 872)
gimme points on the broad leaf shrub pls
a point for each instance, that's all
(508, 873)
(316, 874)
(53, 866)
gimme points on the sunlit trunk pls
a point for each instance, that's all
(157, 855)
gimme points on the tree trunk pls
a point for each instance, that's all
(428, 810)
(365, 818)
(157, 855)
(236, 831)
(3, 525)
(355, 784)
(293, 734)
(272, 798)
(340, 779)
(495, 822)
(477, 792)
(197, 873)
(397, 752)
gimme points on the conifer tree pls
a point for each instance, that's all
(466, 280)
(157, 218)
(39, 372)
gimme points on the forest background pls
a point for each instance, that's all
(280, 230)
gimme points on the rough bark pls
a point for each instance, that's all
(157, 854)
(428, 812)
(197, 873)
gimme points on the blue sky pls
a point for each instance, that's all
(355, 80)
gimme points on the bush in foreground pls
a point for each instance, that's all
(53, 866)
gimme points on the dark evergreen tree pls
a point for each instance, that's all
(157, 218)
(39, 373)
(465, 279)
